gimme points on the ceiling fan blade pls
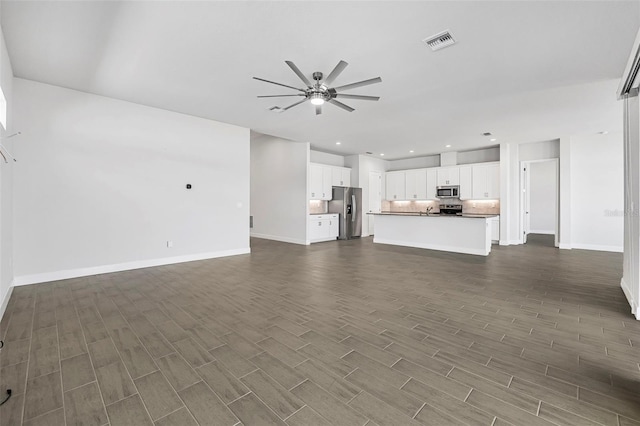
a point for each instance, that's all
(359, 84)
(318, 109)
(335, 73)
(279, 84)
(295, 69)
(341, 105)
(297, 103)
(279, 96)
(361, 97)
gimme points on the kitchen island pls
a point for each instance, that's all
(469, 234)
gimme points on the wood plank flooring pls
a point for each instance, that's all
(339, 333)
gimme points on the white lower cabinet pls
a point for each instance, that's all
(495, 229)
(322, 227)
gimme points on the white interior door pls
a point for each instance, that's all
(375, 197)
(539, 200)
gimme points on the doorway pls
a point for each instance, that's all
(539, 202)
(375, 197)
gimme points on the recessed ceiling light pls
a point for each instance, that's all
(493, 139)
(411, 151)
(447, 146)
(338, 143)
(381, 155)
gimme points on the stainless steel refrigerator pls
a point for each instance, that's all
(347, 202)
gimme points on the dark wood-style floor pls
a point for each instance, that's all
(340, 333)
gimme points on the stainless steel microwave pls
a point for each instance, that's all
(452, 191)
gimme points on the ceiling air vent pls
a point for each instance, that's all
(440, 40)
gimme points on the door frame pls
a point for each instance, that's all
(525, 185)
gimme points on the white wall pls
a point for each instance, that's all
(6, 182)
(630, 282)
(326, 158)
(539, 150)
(479, 156)
(542, 197)
(590, 166)
(464, 157)
(415, 163)
(279, 203)
(100, 185)
(514, 235)
(597, 189)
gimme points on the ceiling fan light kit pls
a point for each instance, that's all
(320, 91)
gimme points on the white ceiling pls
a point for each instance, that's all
(525, 71)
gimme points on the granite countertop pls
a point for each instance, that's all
(466, 215)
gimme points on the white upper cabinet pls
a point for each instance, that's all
(466, 186)
(416, 184)
(476, 182)
(432, 183)
(449, 176)
(486, 181)
(319, 182)
(395, 186)
(322, 178)
(340, 176)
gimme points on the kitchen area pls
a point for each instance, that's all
(452, 207)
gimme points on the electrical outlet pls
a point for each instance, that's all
(474, 205)
(169, 244)
(493, 205)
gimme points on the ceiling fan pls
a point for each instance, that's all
(320, 92)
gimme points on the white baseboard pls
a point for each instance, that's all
(479, 252)
(323, 240)
(105, 269)
(564, 246)
(5, 301)
(279, 238)
(538, 231)
(617, 249)
(504, 242)
(515, 242)
(629, 294)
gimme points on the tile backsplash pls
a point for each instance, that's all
(318, 207)
(410, 206)
(481, 206)
(468, 206)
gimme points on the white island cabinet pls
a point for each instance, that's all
(458, 234)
